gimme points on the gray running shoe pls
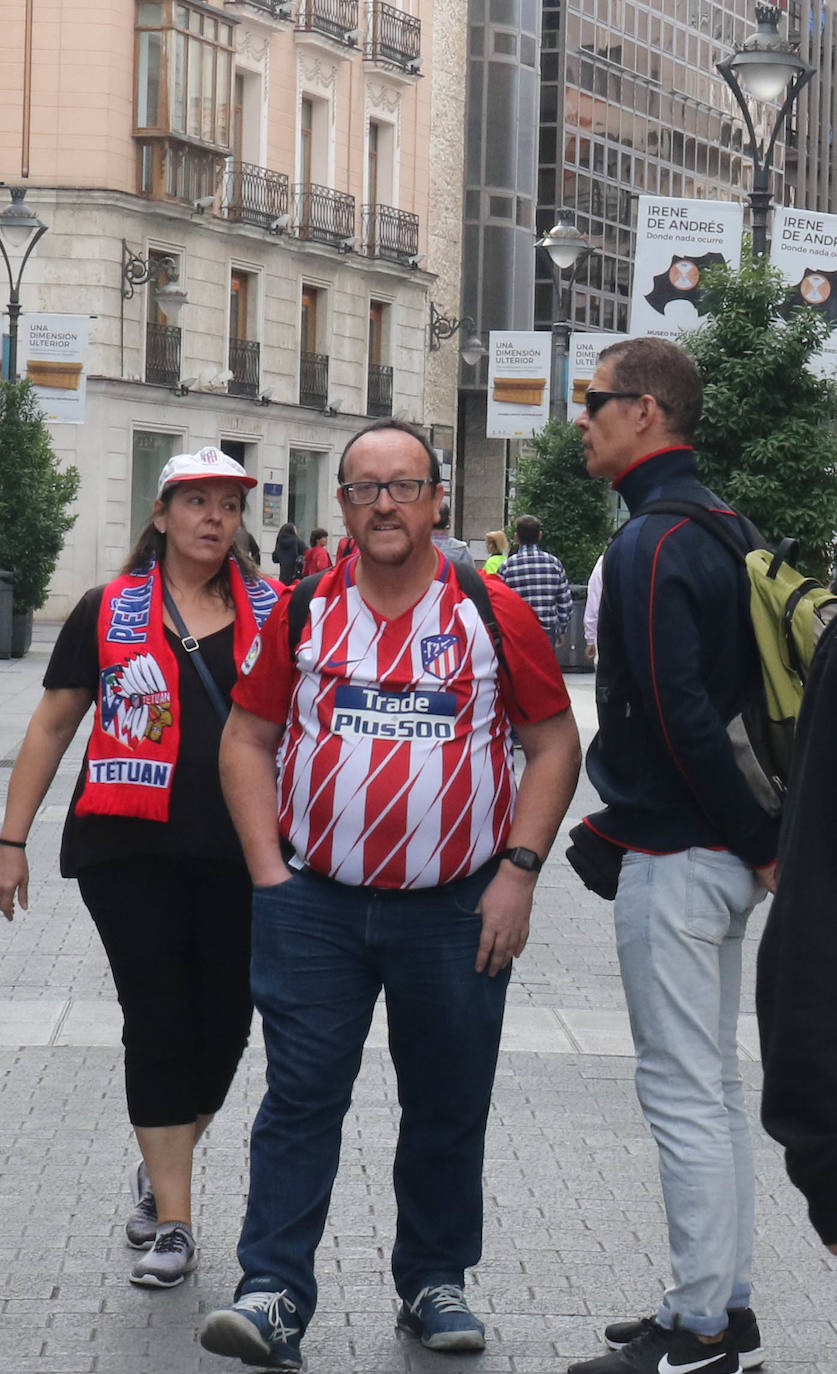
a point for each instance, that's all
(141, 1226)
(170, 1259)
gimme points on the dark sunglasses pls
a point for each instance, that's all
(594, 400)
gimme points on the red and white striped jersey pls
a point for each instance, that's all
(396, 764)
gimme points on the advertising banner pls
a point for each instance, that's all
(584, 359)
(804, 249)
(52, 355)
(676, 240)
(518, 383)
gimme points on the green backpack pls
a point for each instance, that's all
(789, 613)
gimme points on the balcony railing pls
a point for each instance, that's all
(324, 215)
(254, 195)
(277, 9)
(394, 36)
(244, 366)
(313, 380)
(390, 233)
(162, 354)
(379, 390)
(335, 18)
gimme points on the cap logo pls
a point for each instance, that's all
(209, 455)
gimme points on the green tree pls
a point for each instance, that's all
(552, 483)
(767, 442)
(34, 495)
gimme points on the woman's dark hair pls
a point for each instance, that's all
(287, 533)
(151, 547)
(316, 534)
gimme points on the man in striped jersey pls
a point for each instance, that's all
(408, 862)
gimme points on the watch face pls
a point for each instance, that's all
(524, 858)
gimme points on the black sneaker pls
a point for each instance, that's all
(141, 1226)
(743, 1327)
(659, 1351)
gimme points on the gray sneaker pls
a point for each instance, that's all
(170, 1259)
(141, 1226)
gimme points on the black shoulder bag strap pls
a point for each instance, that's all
(192, 647)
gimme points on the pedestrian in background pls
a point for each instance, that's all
(386, 879)
(288, 552)
(539, 578)
(497, 547)
(677, 661)
(456, 549)
(317, 557)
(148, 835)
(591, 607)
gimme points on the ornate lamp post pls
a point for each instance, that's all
(19, 227)
(445, 326)
(567, 249)
(763, 68)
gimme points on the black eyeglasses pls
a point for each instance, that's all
(401, 489)
(594, 400)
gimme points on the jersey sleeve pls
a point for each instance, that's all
(537, 689)
(266, 677)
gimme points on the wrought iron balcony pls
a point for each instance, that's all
(335, 18)
(324, 215)
(313, 380)
(244, 366)
(162, 354)
(277, 9)
(254, 195)
(390, 233)
(379, 390)
(394, 36)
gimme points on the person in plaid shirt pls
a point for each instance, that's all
(539, 578)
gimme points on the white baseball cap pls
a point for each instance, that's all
(197, 467)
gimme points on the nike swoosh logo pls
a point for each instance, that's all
(340, 662)
(666, 1367)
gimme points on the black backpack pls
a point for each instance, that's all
(468, 579)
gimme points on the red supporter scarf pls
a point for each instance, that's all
(135, 741)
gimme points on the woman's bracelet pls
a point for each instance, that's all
(13, 844)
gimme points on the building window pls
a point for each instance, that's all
(244, 350)
(379, 377)
(183, 89)
(306, 476)
(151, 450)
(313, 364)
(162, 339)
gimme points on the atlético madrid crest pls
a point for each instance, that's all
(441, 655)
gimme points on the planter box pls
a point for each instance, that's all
(21, 633)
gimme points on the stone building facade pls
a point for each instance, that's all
(277, 160)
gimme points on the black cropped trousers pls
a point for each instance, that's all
(177, 936)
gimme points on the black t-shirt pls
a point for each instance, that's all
(199, 825)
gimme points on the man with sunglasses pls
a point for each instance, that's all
(677, 661)
(408, 863)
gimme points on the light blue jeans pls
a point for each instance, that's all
(680, 921)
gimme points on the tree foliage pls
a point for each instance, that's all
(34, 495)
(767, 441)
(553, 484)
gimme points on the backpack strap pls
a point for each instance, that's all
(712, 521)
(468, 579)
(298, 608)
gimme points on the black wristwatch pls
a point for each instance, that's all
(523, 858)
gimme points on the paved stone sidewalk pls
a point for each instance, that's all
(574, 1232)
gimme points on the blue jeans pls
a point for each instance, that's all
(680, 921)
(322, 951)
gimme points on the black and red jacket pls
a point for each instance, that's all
(677, 659)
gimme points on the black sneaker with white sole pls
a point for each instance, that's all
(660, 1351)
(172, 1256)
(743, 1327)
(141, 1226)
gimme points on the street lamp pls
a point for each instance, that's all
(19, 227)
(764, 67)
(164, 272)
(567, 249)
(445, 326)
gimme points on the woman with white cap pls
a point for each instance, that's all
(148, 835)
